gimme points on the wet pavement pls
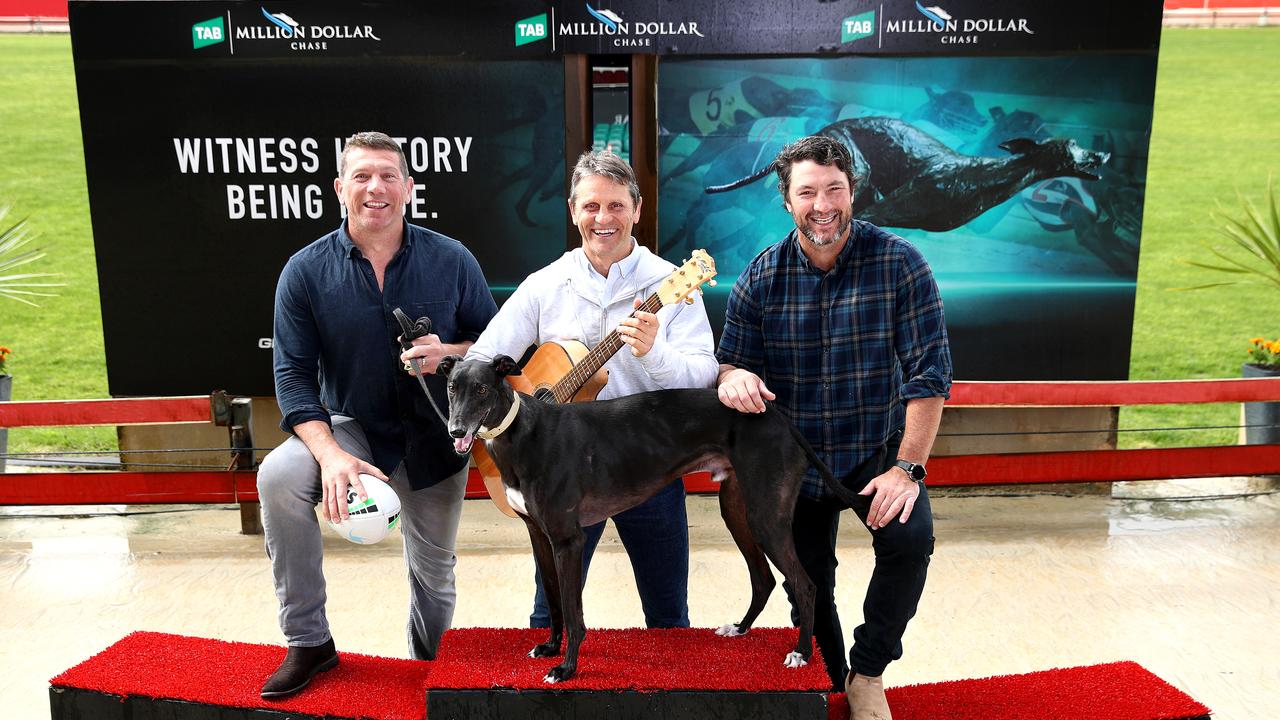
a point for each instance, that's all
(1189, 588)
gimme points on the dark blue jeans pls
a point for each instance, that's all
(656, 536)
(902, 554)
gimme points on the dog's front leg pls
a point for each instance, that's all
(567, 550)
(550, 585)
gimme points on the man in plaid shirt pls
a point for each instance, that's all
(841, 325)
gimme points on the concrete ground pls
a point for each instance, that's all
(1189, 588)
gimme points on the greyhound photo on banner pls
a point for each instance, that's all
(1020, 178)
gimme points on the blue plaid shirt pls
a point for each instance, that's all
(843, 350)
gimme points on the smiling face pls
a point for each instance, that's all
(374, 190)
(604, 213)
(820, 203)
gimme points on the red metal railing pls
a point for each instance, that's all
(124, 411)
(232, 486)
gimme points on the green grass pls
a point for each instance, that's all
(1215, 132)
(57, 347)
(1217, 120)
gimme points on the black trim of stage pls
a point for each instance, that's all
(504, 704)
(76, 704)
(496, 704)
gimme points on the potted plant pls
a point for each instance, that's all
(1262, 419)
(5, 377)
(1257, 234)
(6, 393)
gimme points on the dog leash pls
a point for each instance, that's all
(412, 330)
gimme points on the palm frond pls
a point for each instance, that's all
(1255, 236)
(1204, 286)
(14, 253)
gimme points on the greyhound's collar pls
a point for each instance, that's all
(485, 433)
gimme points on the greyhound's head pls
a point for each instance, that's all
(478, 396)
(1058, 157)
(954, 110)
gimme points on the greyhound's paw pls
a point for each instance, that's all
(557, 674)
(544, 650)
(730, 630)
(794, 660)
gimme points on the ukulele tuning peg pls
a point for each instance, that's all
(688, 301)
(712, 283)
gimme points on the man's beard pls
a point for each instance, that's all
(812, 234)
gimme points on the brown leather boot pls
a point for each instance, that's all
(299, 666)
(866, 698)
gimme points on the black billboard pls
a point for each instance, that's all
(208, 168)
(212, 132)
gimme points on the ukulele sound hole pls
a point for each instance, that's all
(545, 395)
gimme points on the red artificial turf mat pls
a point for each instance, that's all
(639, 660)
(215, 672)
(1117, 691)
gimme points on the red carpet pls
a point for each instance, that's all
(214, 672)
(646, 661)
(1116, 691)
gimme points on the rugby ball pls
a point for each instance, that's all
(372, 519)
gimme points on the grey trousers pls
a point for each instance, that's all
(289, 490)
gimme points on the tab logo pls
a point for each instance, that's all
(531, 29)
(857, 27)
(208, 32)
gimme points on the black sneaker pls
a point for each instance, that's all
(299, 666)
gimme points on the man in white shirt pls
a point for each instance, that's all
(584, 295)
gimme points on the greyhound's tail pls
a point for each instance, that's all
(743, 181)
(846, 495)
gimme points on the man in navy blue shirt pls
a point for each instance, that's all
(841, 325)
(352, 409)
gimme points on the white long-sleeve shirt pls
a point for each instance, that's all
(569, 300)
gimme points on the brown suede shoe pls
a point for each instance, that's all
(299, 666)
(866, 698)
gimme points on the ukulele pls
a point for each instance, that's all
(566, 371)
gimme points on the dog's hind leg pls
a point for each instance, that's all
(776, 540)
(734, 512)
(551, 586)
(567, 549)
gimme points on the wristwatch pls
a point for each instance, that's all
(915, 470)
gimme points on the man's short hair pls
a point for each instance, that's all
(372, 141)
(604, 162)
(818, 148)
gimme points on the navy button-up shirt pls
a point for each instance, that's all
(843, 349)
(335, 348)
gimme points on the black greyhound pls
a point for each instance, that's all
(567, 466)
(910, 179)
